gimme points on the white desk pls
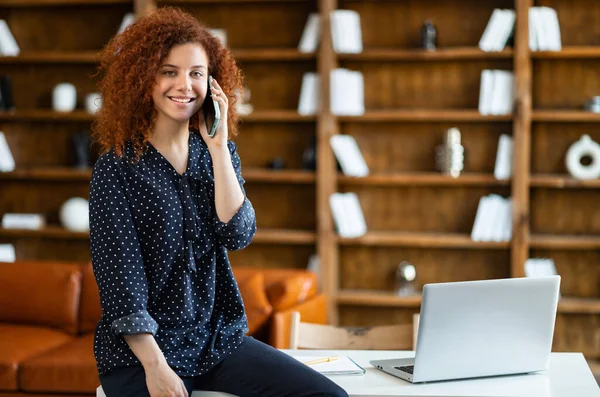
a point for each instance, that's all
(569, 376)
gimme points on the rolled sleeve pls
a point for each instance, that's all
(116, 255)
(237, 233)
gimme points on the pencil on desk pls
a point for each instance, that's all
(321, 360)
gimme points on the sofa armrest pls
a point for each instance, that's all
(313, 310)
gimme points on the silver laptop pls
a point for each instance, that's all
(481, 328)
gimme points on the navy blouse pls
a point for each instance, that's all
(159, 254)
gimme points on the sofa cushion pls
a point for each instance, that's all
(40, 293)
(89, 309)
(69, 368)
(20, 342)
(258, 308)
(288, 287)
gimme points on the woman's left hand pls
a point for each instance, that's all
(222, 133)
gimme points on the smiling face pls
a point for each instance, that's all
(181, 82)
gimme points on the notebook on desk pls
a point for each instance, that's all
(343, 365)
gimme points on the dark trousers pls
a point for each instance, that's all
(254, 369)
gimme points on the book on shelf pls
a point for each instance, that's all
(309, 103)
(12, 220)
(346, 33)
(544, 29)
(8, 44)
(349, 156)
(498, 30)
(309, 41)
(7, 253)
(7, 162)
(540, 267)
(347, 215)
(128, 19)
(493, 220)
(347, 97)
(496, 92)
(504, 158)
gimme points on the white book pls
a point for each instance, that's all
(495, 227)
(533, 42)
(503, 92)
(311, 34)
(540, 267)
(349, 156)
(508, 226)
(491, 30)
(478, 224)
(486, 91)
(8, 44)
(23, 221)
(309, 102)
(507, 24)
(7, 253)
(500, 231)
(7, 162)
(552, 28)
(346, 92)
(346, 33)
(128, 19)
(354, 213)
(540, 29)
(504, 158)
(341, 221)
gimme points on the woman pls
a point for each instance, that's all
(166, 203)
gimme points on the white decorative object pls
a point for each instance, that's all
(64, 97)
(12, 220)
(8, 44)
(7, 162)
(584, 147)
(93, 102)
(128, 19)
(74, 214)
(7, 253)
(346, 34)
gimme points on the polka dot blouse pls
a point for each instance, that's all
(159, 254)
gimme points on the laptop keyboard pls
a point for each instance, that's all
(407, 368)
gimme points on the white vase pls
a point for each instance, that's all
(74, 214)
(64, 97)
(93, 102)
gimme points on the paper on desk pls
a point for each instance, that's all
(344, 365)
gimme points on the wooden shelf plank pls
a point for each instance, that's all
(417, 54)
(424, 115)
(263, 235)
(224, 1)
(272, 54)
(565, 116)
(377, 298)
(562, 181)
(424, 240)
(423, 179)
(579, 305)
(29, 3)
(573, 52)
(564, 242)
(278, 176)
(51, 57)
(49, 174)
(283, 116)
(284, 236)
(50, 232)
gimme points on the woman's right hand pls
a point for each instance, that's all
(162, 381)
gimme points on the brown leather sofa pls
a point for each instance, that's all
(49, 310)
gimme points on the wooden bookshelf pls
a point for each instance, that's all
(411, 97)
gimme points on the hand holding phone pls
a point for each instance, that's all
(211, 109)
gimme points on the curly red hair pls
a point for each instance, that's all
(130, 63)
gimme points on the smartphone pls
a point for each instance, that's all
(212, 113)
